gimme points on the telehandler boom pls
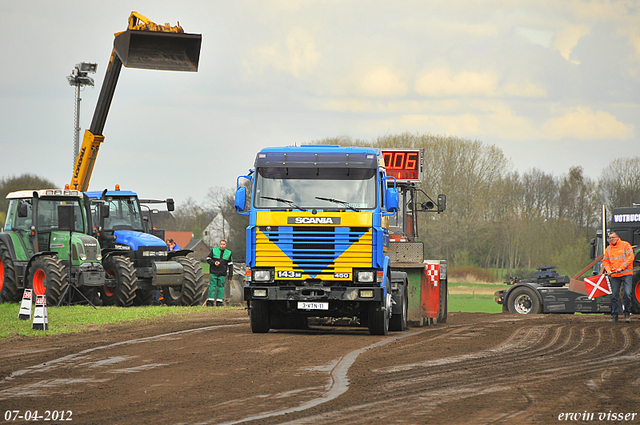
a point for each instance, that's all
(144, 45)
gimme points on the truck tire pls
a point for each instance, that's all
(379, 318)
(8, 280)
(119, 268)
(398, 322)
(193, 285)
(48, 276)
(259, 316)
(524, 300)
(443, 298)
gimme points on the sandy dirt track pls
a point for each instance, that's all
(210, 369)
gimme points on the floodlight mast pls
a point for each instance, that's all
(79, 78)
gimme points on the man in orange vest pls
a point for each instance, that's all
(618, 264)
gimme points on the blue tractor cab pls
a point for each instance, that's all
(139, 259)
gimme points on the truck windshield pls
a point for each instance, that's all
(124, 214)
(341, 188)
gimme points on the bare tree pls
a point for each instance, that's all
(620, 182)
(190, 216)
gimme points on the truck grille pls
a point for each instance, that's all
(314, 250)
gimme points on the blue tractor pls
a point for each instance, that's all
(138, 260)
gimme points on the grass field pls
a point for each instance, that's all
(463, 297)
(68, 319)
(473, 304)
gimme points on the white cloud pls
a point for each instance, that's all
(523, 89)
(567, 38)
(586, 124)
(539, 36)
(296, 54)
(442, 83)
(382, 82)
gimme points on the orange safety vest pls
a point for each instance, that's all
(618, 256)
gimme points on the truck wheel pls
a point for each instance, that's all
(120, 271)
(259, 316)
(398, 322)
(379, 318)
(48, 276)
(8, 285)
(524, 301)
(443, 297)
(193, 285)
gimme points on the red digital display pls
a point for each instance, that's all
(404, 165)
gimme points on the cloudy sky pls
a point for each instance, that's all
(554, 84)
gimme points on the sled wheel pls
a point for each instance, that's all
(524, 301)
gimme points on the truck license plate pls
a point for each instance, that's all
(312, 306)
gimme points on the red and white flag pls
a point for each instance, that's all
(597, 286)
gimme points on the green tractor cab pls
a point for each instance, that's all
(46, 247)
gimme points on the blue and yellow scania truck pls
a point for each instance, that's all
(318, 238)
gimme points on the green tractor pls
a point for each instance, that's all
(46, 247)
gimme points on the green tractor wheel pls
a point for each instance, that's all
(48, 276)
(8, 287)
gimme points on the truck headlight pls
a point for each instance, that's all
(366, 293)
(365, 276)
(261, 276)
(260, 293)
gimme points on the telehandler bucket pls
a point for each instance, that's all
(167, 51)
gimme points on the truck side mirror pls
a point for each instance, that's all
(241, 199)
(442, 203)
(392, 200)
(171, 205)
(104, 211)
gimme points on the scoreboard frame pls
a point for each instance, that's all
(406, 165)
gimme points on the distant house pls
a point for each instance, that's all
(199, 248)
(217, 230)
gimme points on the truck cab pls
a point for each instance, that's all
(318, 236)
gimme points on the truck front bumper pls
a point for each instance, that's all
(306, 293)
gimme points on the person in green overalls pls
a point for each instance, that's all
(220, 265)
